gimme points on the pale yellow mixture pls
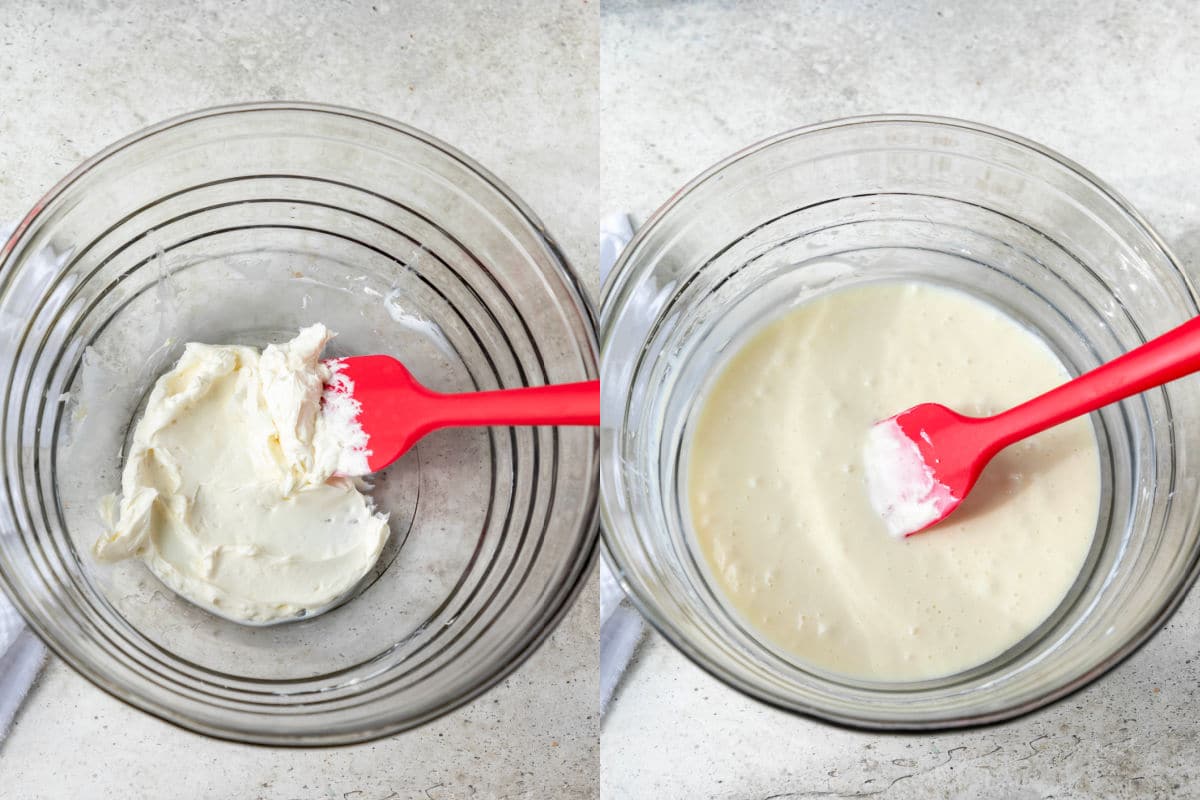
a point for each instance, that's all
(779, 504)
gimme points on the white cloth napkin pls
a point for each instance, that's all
(620, 624)
(21, 652)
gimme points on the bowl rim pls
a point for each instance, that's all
(534, 637)
(613, 291)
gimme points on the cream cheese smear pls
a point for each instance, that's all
(782, 513)
(231, 492)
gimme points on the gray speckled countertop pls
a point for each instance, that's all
(498, 83)
(1112, 85)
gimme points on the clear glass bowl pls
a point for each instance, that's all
(856, 200)
(242, 224)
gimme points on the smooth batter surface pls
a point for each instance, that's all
(229, 492)
(779, 503)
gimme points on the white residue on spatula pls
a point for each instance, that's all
(340, 411)
(901, 486)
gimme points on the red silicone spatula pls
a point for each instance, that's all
(396, 410)
(922, 463)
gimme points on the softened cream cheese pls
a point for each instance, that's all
(230, 491)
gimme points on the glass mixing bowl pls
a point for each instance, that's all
(239, 225)
(857, 200)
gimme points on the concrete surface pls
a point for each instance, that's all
(1110, 84)
(513, 85)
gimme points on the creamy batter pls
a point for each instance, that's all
(779, 503)
(229, 492)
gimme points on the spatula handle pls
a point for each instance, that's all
(1169, 357)
(560, 404)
